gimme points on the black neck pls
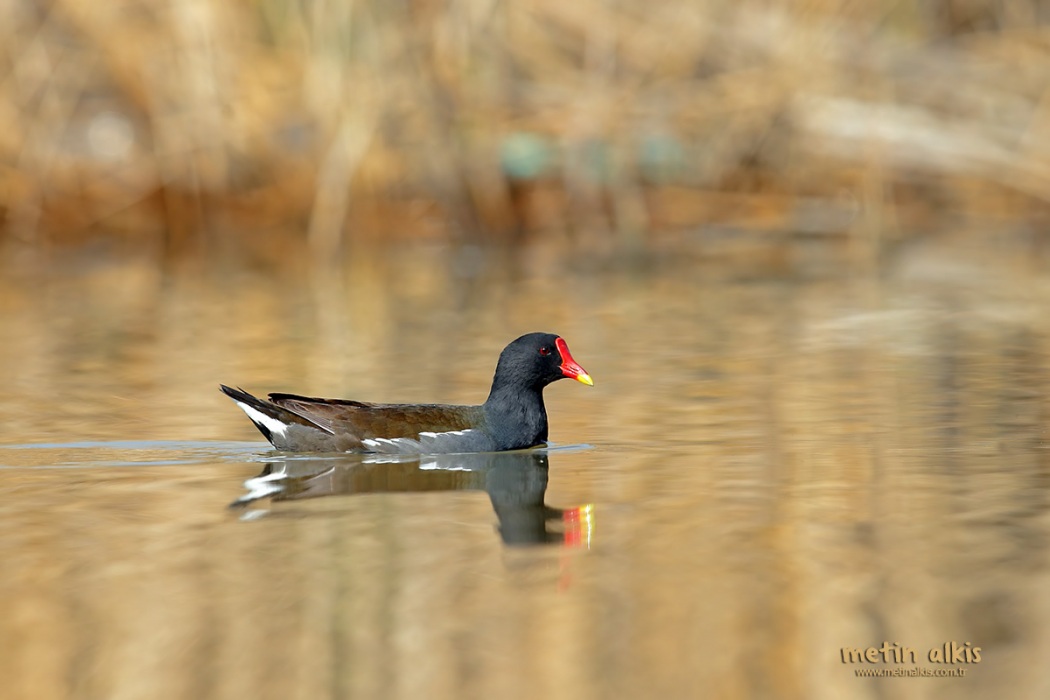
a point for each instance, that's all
(516, 416)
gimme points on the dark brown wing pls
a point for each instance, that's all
(277, 398)
(372, 420)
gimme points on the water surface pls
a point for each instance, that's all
(769, 468)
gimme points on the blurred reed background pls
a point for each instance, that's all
(198, 126)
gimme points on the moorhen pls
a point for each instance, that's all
(512, 417)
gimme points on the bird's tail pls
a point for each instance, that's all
(272, 420)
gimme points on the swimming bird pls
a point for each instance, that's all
(512, 417)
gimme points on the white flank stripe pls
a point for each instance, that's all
(450, 432)
(407, 445)
(392, 445)
(272, 424)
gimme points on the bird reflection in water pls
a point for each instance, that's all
(516, 483)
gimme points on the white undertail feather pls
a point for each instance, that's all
(272, 424)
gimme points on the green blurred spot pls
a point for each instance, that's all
(525, 156)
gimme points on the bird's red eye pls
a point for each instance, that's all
(545, 351)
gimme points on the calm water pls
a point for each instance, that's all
(772, 465)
